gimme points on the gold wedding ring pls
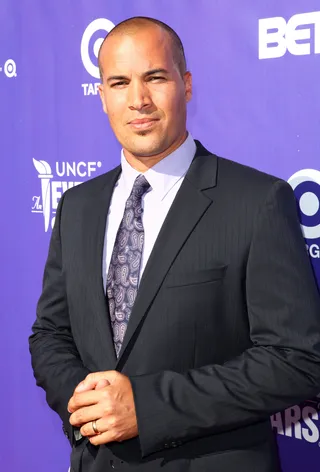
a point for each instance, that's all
(94, 427)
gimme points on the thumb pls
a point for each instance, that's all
(102, 383)
(85, 386)
(92, 380)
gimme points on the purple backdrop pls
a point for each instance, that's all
(256, 100)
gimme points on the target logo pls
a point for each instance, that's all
(9, 68)
(90, 44)
(306, 186)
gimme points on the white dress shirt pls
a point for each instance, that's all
(165, 179)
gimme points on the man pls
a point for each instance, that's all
(179, 309)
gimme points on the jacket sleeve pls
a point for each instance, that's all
(55, 360)
(280, 369)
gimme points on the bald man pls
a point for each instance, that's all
(179, 309)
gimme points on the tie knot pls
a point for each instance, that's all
(140, 186)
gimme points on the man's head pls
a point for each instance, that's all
(144, 77)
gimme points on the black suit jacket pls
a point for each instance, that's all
(225, 329)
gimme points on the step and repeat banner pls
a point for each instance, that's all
(256, 68)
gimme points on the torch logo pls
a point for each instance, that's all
(53, 184)
(45, 175)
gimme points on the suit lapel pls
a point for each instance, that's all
(187, 209)
(97, 208)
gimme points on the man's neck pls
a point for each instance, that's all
(142, 164)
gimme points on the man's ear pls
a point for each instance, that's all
(101, 93)
(188, 85)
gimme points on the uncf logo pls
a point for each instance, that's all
(306, 186)
(91, 42)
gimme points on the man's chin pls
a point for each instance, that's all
(145, 149)
(145, 153)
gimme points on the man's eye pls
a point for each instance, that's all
(116, 84)
(152, 79)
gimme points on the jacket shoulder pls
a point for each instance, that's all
(244, 168)
(245, 179)
(233, 175)
(93, 186)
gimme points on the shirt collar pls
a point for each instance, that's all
(166, 173)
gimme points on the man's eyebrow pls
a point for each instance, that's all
(146, 74)
(116, 77)
(155, 71)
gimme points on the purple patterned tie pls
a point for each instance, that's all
(124, 269)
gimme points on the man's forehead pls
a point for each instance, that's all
(145, 45)
(139, 60)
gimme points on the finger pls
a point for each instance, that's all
(81, 387)
(87, 429)
(86, 415)
(80, 400)
(103, 438)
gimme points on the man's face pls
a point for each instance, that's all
(143, 91)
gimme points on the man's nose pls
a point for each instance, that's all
(139, 96)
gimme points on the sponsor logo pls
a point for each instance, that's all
(9, 68)
(90, 45)
(306, 186)
(54, 184)
(314, 251)
(303, 421)
(299, 422)
(300, 36)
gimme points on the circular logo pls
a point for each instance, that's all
(96, 25)
(10, 68)
(306, 186)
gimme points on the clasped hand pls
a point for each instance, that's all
(107, 399)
